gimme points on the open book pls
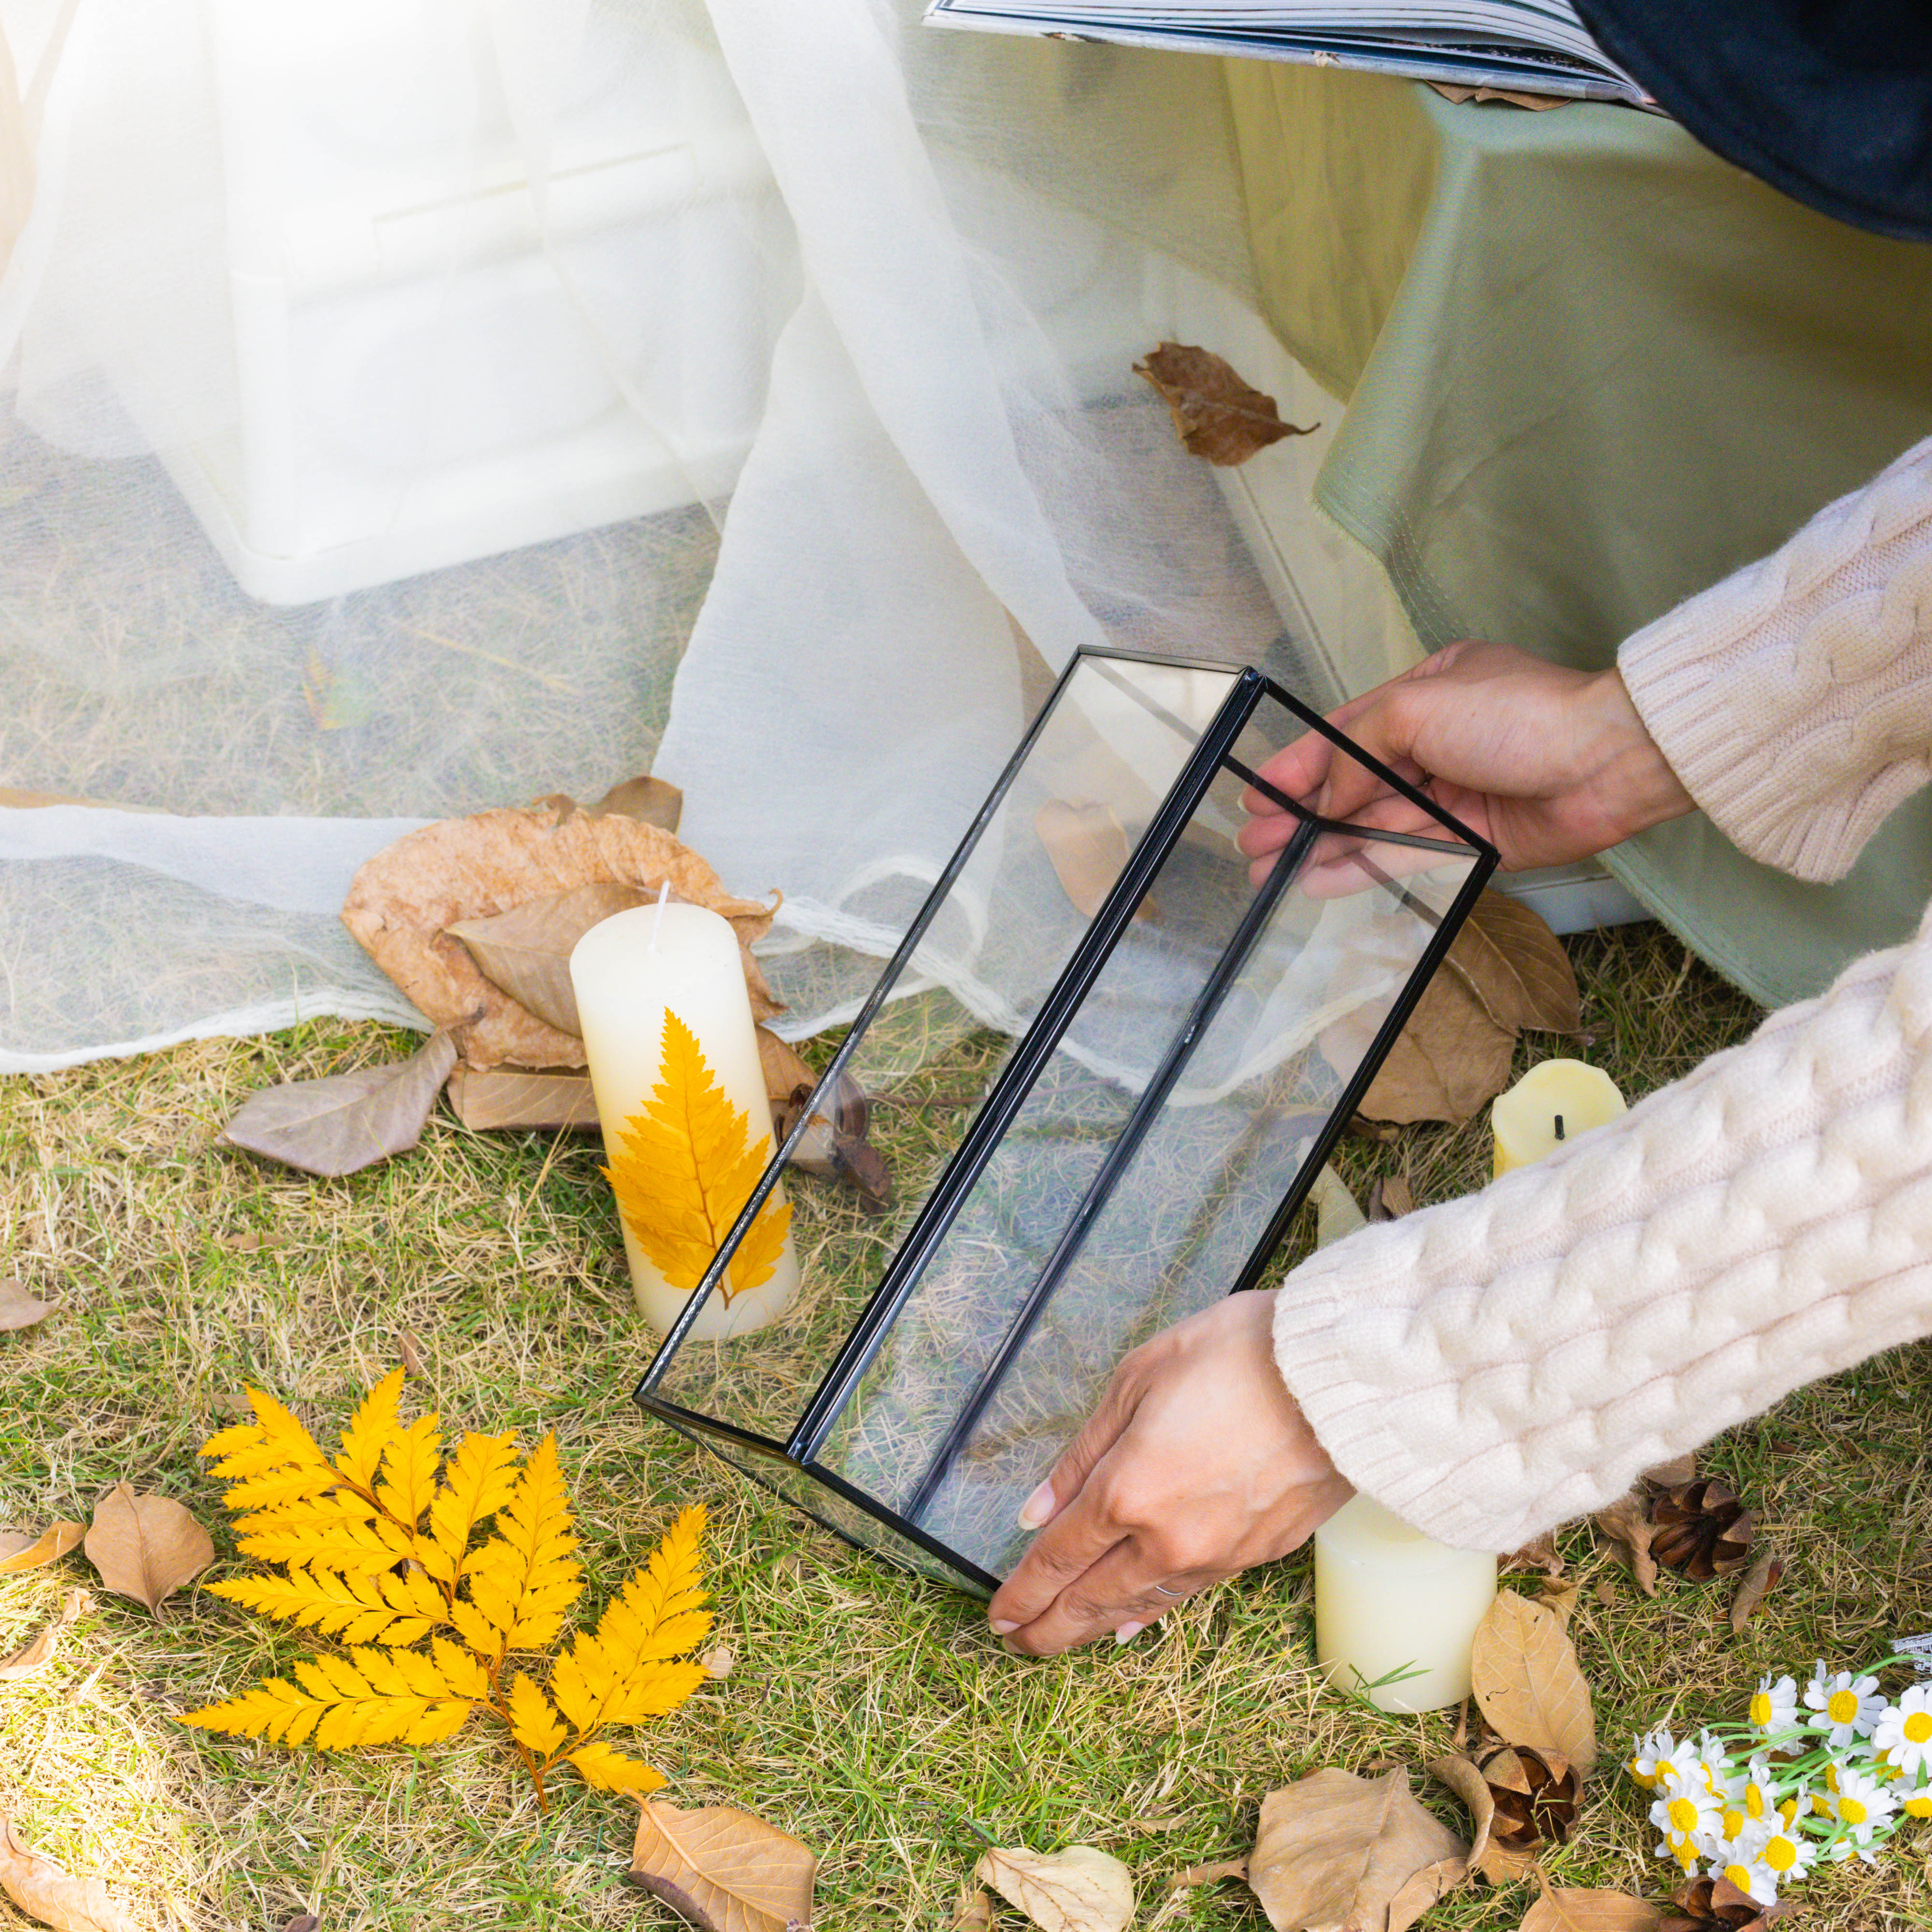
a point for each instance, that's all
(1538, 46)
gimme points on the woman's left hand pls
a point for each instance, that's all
(1197, 1464)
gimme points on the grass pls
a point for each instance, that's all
(869, 1713)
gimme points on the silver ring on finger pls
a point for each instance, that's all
(1163, 1589)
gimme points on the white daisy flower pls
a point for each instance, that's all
(1752, 1797)
(1716, 1763)
(1847, 1707)
(1761, 1866)
(1917, 1801)
(1862, 1805)
(1904, 1732)
(1646, 1755)
(1682, 1765)
(1686, 1812)
(1773, 1706)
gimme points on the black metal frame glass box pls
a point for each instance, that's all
(1167, 1047)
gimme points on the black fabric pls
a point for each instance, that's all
(1830, 100)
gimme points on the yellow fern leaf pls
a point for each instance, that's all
(377, 1697)
(661, 1612)
(476, 1630)
(652, 1691)
(275, 1488)
(378, 1607)
(465, 1676)
(371, 1431)
(355, 1549)
(523, 1580)
(409, 1471)
(583, 1681)
(533, 1722)
(479, 1480)
(685, 1170)
(275, 1441)
(603, 1769)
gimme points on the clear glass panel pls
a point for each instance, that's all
(1107, 752)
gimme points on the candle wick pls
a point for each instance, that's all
(663, 893)
(1559, 1127)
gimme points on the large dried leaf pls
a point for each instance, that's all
(44, 1890)
(403, 902)
(1448, 1063)
(1217, 415)
(1627, 1522)
(1508, 958)
(526, 952)
(40, 1649)
(499, 1097)
(1523, 1673)
(348, 1121)
(19, 1309)
(723, 1870)
(1081, 1889)
(1496, 1863)
(19, 1551)
(1334, 1849)
(145, 1546)
(1562, 1909)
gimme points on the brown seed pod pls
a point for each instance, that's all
(1716, 1905)
(1535, 1795)
(1702, 1529)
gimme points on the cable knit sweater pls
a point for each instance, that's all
(1496, 1365)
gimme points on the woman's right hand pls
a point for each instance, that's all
(1549, 765)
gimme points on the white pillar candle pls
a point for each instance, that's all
(1390, 1600)
(1554, 1102)
(628, 972)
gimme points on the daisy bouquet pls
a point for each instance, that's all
(1810, 1777)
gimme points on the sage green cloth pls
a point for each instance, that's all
(1589, 368)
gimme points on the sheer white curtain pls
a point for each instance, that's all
(411, 406)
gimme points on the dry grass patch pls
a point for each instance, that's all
(869, 1713)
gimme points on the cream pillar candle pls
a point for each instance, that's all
(1555, 1101)
(628, 972)
(1389, 1600)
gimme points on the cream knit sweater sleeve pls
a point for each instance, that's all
(1496, 1365)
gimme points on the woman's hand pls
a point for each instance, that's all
(1196, 1464)
(1549, 765)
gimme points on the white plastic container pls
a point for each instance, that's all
(435, 361)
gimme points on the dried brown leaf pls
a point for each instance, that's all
(145, 1546)
(651, 801)
(248, 1241)
(834, 1145)
(723, 1870)
(1088, 846)
(19, 1551)
(1494, 1862)
(1766, 1571)
(1211, 1874)
(303, 1921)
(1561, 1909)
(1559, 1598)
(1337, 1214)
(409, 1352)
(402, 902)
(1523, 1673)
(1389, 1199)
(509, 1097)
(1217, 415)
(1627, 1522)
(973, 1912)
(19, 1309)
(1508, 958)
(718, 1661)
(784, 1068)
(347, 1121)
(1081, 1889)
(526, 952)
(1539, 1553)
(45, 1642)
(1337, 1849)
(1448, 1063)
(1678, 1470)
(43, 1890)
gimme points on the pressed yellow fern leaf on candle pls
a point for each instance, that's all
(684, 1170)
(435, 1574)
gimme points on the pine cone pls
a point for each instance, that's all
(1702, 1530)
(1535, 1797)
(1716, 1905)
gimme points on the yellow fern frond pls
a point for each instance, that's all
(603, 1769)
(654, 1690)
(375, 1607)
(583, 1680)
(275, 1488)
(371, 1431)
(274, 1442)
(328, 1542)
(478, 1480)
(534, 1724)
(465, 1676)
(409, 1471)
(377, 1697)
(523, 1580)
(661, 1612)
(476, 1630)
(684, 1169)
